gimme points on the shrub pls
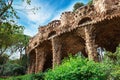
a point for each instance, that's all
(90, 2)
(9, 69)
(39, 76)
(77, 5)
(77, 68)
(114, 60)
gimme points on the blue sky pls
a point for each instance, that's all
(49, 10)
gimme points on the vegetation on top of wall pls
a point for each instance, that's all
(77, 5)
(90, 2)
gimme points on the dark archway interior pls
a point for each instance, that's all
(32, 60)
(52, 33)
(108, 34)
(48, 50)
(84, 20)
(72, 44)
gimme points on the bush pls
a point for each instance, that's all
(39, 76)
(10, 69)
(90, 2)
(77, 5)
(78, 69)
(114, 60)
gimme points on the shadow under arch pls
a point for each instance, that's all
(51, 33)
(84, 20)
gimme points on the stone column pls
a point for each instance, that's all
(31, 67)
(91, 47)
(40, 59)
(57, 51)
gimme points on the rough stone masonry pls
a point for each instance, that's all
(85, 30)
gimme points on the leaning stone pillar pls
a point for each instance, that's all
(40, 59)
(57, 51)
(91, 47)
(31, 66)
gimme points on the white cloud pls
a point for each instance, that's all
(41, 16)
(38, 16)
(35, 18)
(69, 8)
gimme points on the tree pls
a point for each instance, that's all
(4, 59)
(90, 2)
(12, 38)
(21, 43)
(7, 11)
(77, 5)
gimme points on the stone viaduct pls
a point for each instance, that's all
(86, 29)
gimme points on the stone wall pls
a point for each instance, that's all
(82, 31)
(103, 6)
(67, 18)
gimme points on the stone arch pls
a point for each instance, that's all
(44, 56)
(84, 20)
(72, 44)
(48, 57)
(107, 34)
(65, 45)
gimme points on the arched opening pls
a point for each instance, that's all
(52, 33)
(72, 44)
(84, 20)
(48, 62)
(48, 55)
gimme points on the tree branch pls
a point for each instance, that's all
(6, 8)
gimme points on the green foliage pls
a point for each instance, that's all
(12, 38)
(90, 2)
(39, 76)
(114, 60)
(23, 61)
(10, 69)
(14, 67)
(77, 5)
(4, 59)
(78, 69)
(115, 73)
(7, 11)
